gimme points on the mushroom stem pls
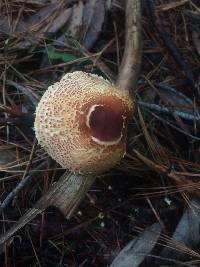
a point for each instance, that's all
(67, 193)
(130, 65)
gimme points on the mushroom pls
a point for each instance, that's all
(81, 122)
(69, 190)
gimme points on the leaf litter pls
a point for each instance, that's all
(156, 185)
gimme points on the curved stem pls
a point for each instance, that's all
(67, 193)
(130, 66)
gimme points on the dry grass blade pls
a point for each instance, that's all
(165, 171)
(172, 5)
(165, 110)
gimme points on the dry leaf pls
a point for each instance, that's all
(82, 21)
(186, 234)
(136, 251)
(75, 25)
(93, 19)
(30, 30)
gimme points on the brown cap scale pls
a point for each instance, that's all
(81, 122)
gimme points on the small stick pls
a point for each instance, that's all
(176, 128)
(184, 115)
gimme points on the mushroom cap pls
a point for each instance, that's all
(81, 122)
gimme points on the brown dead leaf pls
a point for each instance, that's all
(86, 21)
(75, 25)
(134, 253)
(93, 19)
(83, 21)
(28, 23)
(186, 235)
(31, 29)
(60, 20)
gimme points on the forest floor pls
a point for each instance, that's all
(156, 186)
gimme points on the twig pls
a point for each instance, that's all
(173, 90)
(161, 169)
(176, 128)
(162, 109)
(171, 5)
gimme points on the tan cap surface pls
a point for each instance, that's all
(81, 122)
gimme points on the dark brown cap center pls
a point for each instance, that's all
(105, 123)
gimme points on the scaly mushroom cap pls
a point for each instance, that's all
(81, 122)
